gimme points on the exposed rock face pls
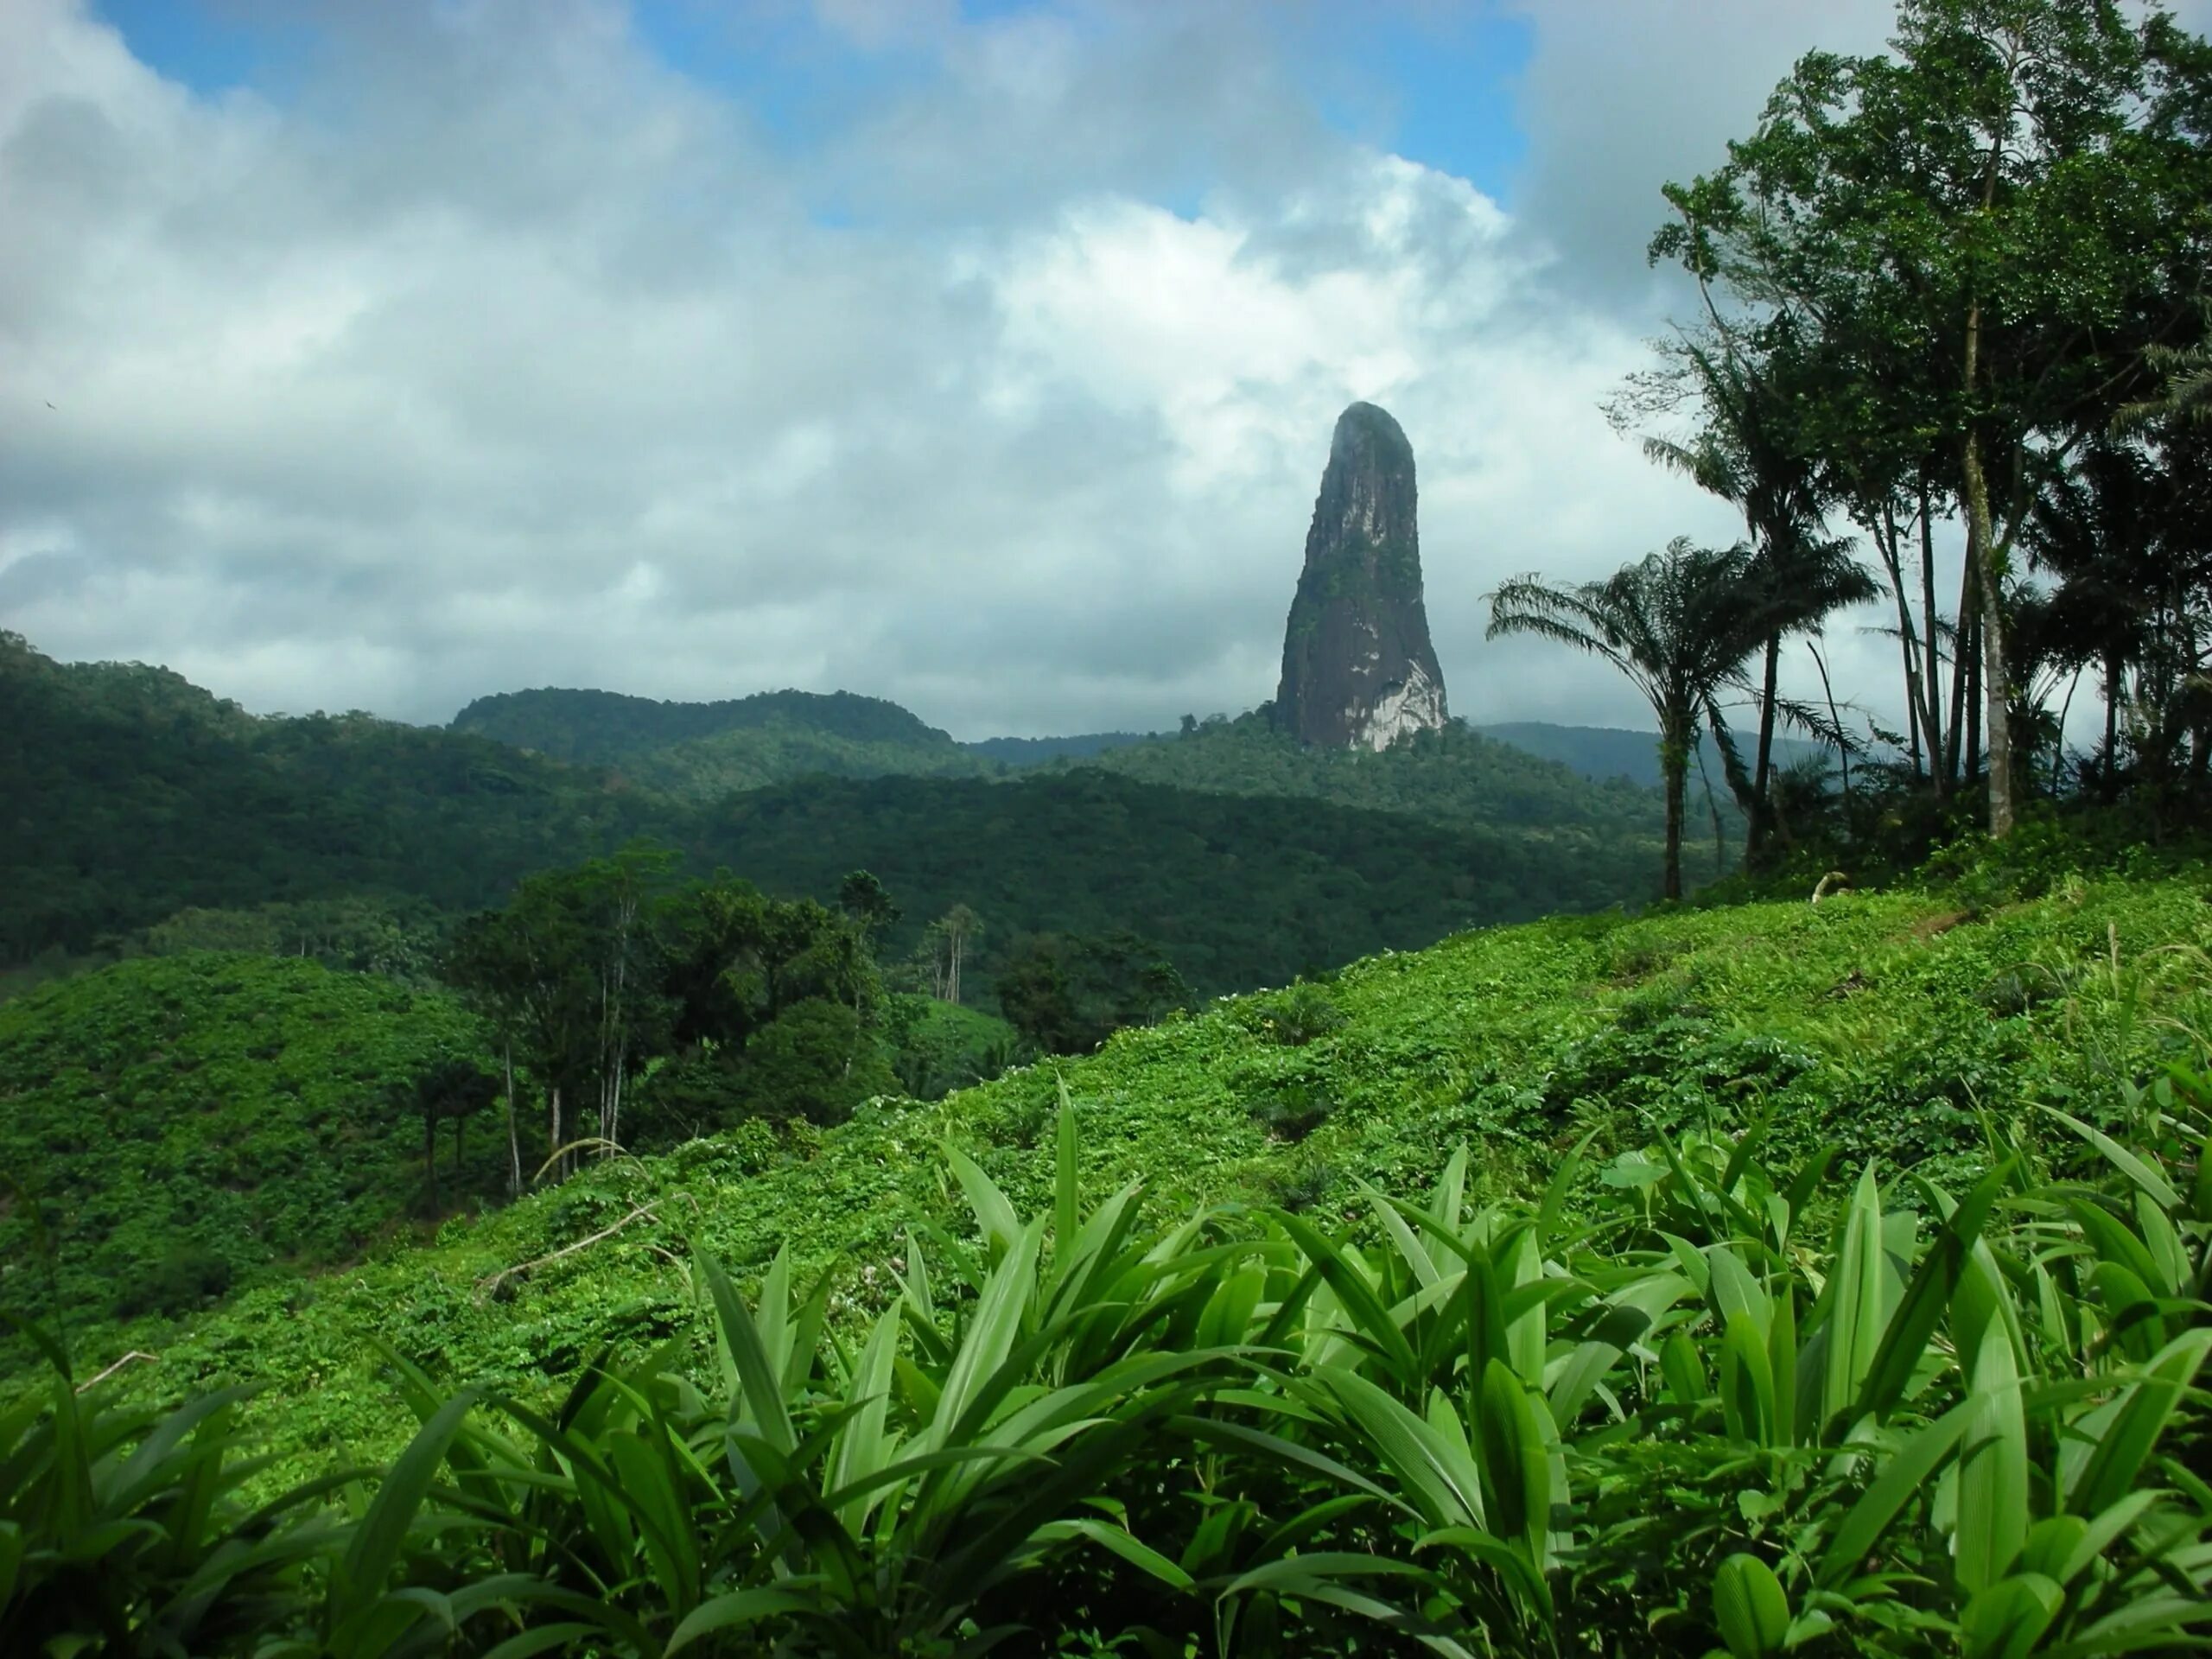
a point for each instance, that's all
(1358, 671)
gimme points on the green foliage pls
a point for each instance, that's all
(1857, 1020)
(607, 729)
(1298, 1014)
(1603, 752)
(1455, 777)
(1238, 890)
(814, 1060)
(937, 1047)
(155, 801)
(1067, 996)
(1719, 1397)
(181, 1124)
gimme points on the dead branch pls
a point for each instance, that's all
(151, 1359)
(486, 1286)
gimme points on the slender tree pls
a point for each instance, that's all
(1681, 624)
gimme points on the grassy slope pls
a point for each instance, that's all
(1880, 1019)
(230, 1104)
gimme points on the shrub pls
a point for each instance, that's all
(191, 1277)
(1298, 1014)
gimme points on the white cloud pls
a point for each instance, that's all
(500, 354)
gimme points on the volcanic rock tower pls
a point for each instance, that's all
(1358, 671)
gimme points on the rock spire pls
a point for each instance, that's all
(1358, 671)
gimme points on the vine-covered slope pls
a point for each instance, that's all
(1889, 1023)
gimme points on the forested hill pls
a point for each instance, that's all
(1563, 779)
(703, 750)
(1606, 752)
(1240, 891)
(133, 796)
(1455, 776)
(609, 729)
(194, 1123)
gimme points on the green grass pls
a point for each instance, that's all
(1885, 1022)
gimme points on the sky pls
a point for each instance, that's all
(979, 356)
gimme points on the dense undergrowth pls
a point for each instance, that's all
(1668, 1123)
(1720, 1398)
(184, 1124)
(1885, 1021)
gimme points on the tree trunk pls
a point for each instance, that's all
(1712, 805)
(430, 1150)
(1836, 720)
(514, 1131)
(1983, 548)
(1762, 812)
(1675, 762)
(1961, 673)
(1895, 563)
(2109, 781)
(1974, 695)
(1932, 659)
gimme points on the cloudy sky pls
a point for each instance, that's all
(982, 356)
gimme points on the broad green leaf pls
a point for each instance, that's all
(739, 1607)
(1514, 1462)
(993, 1212)
(1750, 1606)
(381, 1533)
(1992, 1520)
(1905, 1473)
(2128, 1435)
(2007, 1618)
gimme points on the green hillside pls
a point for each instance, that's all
(153, 799)
(1602, 752)
(706, 769)
(607, 729)
(1456, 776)
(1036, 751)
(1242, 891)
(184, 1125)
(1888, 1023)
(132, 794)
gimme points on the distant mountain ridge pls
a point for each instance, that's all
(137, 796)
(1521, 773)
(608, 728)
(1599, 753)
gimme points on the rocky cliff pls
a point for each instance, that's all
(1358, 671)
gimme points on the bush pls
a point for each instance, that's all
(1294, 1113)
(193, 1276)
(1298, 1014)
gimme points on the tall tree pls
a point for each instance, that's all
(956, 931)
(1681, 624)
(2016, 189)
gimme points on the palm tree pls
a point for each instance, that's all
(1748, 454)
(2098, 525)
(2186, 397)
(1680, 624)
